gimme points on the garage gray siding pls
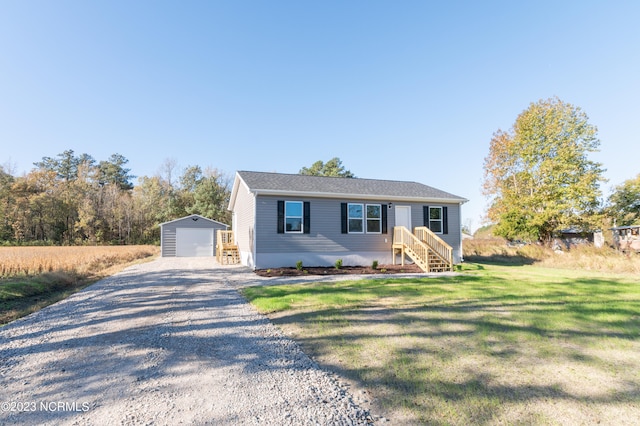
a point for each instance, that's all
(168, 241)
(168, 231)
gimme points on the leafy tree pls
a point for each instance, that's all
(624, 202)
(6, 201)
(538, 176)
(150, 206)
(38, 211)
(211, 197)
(184, 194)
(190, 178)
(172, 207)
(47, 163)
(332, 167)
(65, 165)
(112, 171)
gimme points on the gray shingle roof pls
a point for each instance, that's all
(279, 183)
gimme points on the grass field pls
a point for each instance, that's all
(34, 277)
(494, 345)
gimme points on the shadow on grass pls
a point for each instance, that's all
(448, 349)
(501, 259)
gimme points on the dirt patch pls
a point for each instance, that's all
(345, 270)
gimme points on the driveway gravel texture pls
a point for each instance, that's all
(165, 342)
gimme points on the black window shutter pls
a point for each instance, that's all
(425, 212)
(384, 218)
(343, 209)
(280, 217)
(445, 220)
(307, 217)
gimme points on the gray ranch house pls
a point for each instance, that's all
(280, 219)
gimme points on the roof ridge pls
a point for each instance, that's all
(332, 177)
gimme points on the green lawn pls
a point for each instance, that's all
(497, 344)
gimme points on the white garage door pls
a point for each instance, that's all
(192, 242)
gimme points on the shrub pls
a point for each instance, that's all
(299, 265)
(338, 264)
(374, 265)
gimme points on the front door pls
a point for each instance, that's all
(403, 217)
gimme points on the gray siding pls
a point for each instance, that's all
(454, 237)
(243, 224)
(325, 233)
(326, 243)
(168, 232)
(168, 241)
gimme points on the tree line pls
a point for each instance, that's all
(74, 199)
(538, 178)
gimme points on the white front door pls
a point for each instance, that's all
(403, 217)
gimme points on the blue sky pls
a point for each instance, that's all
(398, 90)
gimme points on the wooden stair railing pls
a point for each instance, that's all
(441, 253)
(226, 250)
(405, 243)
(426, 249)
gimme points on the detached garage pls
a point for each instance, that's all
(190, 236)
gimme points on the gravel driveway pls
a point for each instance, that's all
(165, 342)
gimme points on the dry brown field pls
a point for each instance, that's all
(81, 260)
(585, 257)
(34, 277)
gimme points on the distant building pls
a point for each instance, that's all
(576, 236)
(626, 238)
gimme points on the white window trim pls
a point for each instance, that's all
(301, 217)
(361, 219)
(441, 220)
(364, 219)
(379, 219)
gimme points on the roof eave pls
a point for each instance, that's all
(275, 192)
(192, 215)
(234, 192)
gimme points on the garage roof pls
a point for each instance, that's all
(195, 217)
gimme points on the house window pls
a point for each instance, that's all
(363, 218)
(374, 218)
(293, 216)
(435, 219)
(356, 218)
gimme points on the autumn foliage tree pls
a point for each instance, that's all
(538, 176)
(624, 202)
